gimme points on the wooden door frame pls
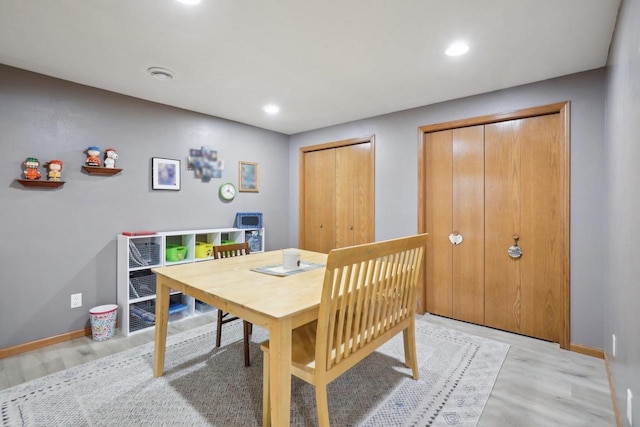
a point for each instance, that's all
(562, 108)
(301, 175)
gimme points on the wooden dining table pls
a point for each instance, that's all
(276, 303)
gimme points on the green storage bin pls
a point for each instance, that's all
(176, 252)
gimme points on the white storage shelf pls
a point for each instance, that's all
(137, 255)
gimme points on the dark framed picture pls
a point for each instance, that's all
(248, 177)
(165, 174)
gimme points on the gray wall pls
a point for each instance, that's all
(59, 242)
(397, 170)
(622, 225)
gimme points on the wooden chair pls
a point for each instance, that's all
(227, 251)
(368, 296)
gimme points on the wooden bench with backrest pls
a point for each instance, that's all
(368, 296)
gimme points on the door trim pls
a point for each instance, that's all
(301, 175)
(563, 109)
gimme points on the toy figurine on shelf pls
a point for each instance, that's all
(55, 169)
(110, 157)
(92, 156)
(31, 165)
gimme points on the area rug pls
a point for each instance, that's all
(208, 386)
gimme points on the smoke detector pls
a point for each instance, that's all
(160, 73)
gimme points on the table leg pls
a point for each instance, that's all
(162, 318)
(280, 372)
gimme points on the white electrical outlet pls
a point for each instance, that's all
(630, 406)
(613, 345)
(76, 300)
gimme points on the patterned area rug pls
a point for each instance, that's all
(208, 386)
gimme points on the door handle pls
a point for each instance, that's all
(515, 251)
(455, 238)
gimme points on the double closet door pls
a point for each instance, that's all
(496, 210)
(337, 195)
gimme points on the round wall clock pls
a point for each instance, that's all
(227, 191)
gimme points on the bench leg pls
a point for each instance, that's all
(410, 354)
(322, 405)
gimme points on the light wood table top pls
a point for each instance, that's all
(278, 304)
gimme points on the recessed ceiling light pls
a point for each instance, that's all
(189, 1)
(271, 109)
(456, 49)
(160, 73)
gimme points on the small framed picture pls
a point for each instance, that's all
(248, 177)
(165, 174)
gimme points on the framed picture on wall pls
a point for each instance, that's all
(248, 177)
(165, 174)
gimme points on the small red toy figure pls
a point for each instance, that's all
(31, 165)
(92, 156)
(55, 167)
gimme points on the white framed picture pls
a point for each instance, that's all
(165, 174)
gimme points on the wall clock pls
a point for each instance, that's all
(227, 191)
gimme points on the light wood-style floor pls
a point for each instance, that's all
(538, 385)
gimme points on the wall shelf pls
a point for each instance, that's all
(100, 170)
(41, 184)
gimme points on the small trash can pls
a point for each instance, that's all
(103, 321)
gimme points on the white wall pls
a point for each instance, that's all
(622, 175)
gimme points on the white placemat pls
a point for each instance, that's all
(279, 270)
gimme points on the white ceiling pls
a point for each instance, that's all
(323, 62)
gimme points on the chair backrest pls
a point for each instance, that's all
(368, 296)
(228, 251)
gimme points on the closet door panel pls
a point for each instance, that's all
(319, 203)
(503, 204)
(344, 196)
(438, 220)
(354, 195)
(363, 193)
(542, 237)
(468, 220)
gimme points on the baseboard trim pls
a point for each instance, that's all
(612, 389)
(589, 351)
(34, 345)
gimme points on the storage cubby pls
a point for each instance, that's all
(138, 255)
(144, 252)
(204, 246)
(142, 314)
(202, 307)
(179, 248)
(255, 238)
(231, 236)
(142, 284)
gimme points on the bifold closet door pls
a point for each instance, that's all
(525, 195)
(319, 207)
(454, 175)
(337, 195)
